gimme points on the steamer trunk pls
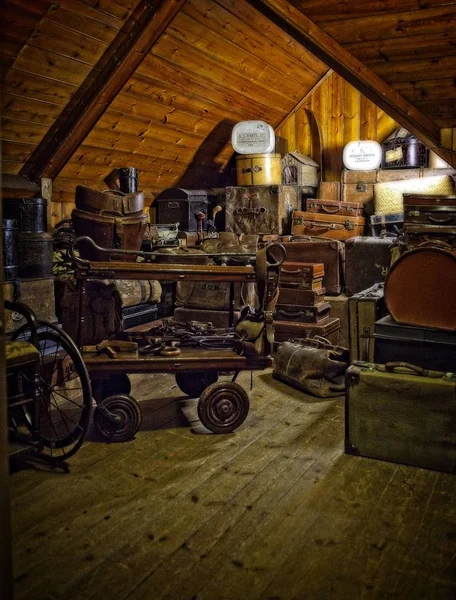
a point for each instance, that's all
(364, 309)
(403, 415)
(258, 209)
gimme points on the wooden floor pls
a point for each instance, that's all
(273, 511)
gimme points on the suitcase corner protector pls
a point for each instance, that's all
(351, 449)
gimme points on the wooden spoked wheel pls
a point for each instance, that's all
(117, 418)
(223, 407)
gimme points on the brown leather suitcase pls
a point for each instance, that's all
(426, 200)
(294, 271)
(337, 227)
(430, 215)
(329, 252)
(417, 234)
(108, 231)
(332, 207)
(329, 190)
(300, 297)
(302, 314)
(420, 288)
(260, 209)
(305, 284)
(214, 295)
(328, 328)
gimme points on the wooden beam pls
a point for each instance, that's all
(120, 60)
(324, 47)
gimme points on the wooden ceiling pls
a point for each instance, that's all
(213, 63)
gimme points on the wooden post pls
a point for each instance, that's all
(46, 193)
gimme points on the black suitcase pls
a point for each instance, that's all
(367, 261)
(176, 205)
(428, 348)
(139, 314)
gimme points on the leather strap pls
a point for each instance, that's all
(109, 201)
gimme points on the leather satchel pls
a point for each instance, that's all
(312, 365)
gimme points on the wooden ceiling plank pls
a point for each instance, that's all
(366, 81)
(118, 63)
(427, 89)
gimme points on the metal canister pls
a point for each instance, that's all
(10, 232)
(30, 213)
(35, 255)
(128, 180)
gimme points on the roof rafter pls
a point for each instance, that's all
(324, 47)
(120, 60)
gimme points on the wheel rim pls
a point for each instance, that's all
(65, 401)
(223, 407)
(126, 409)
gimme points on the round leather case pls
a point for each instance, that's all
(420, 288)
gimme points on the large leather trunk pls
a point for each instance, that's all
(302, 314)
(218, 318)
(214, 295)
(336, 227)
(333, 207)
(358, 186)
(287, 330)
(108, 231)
(364, 309)
(367, 261)
(339, 309)
(420, 288)
(178, 205)
(401, 415)
(300, 297)
(259, 209)
(329, 252)
(38, 294)
(427, 348)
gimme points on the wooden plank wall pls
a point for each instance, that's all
(343, 114)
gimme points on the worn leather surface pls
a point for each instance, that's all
(420, 288)
(109, 201)
(367, 260)
(317, 369)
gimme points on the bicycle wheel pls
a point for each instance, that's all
(66, 397)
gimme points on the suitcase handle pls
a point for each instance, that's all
(290, 313)
(259, 210)
(322, 225)
(440, 221)
(255, 169)
(335, 210)
(292, 272)
(392, 366)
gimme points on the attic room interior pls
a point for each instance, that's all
(227, 317)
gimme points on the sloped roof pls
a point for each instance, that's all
(213, 63)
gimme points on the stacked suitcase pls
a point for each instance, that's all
(429, 218)
(301, 309)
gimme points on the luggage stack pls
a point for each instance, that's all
(429, 218)
(301, 310)
(27, 255)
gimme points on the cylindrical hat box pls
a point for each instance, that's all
(30, 213)
(128, 180)
(258, 169)
(9, 249)
(35, 255)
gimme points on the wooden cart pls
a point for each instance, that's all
(222, 406)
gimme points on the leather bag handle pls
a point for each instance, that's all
(392, 366)
(290, 272)
(323, 225)
(440, 221)
(290, 313)
(329, 211)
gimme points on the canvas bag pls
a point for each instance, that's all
(313, 365)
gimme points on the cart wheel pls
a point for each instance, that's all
(193, 384)
(117, 418)
(113, 385)
(223, 407)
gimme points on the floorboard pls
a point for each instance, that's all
(274, 511)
